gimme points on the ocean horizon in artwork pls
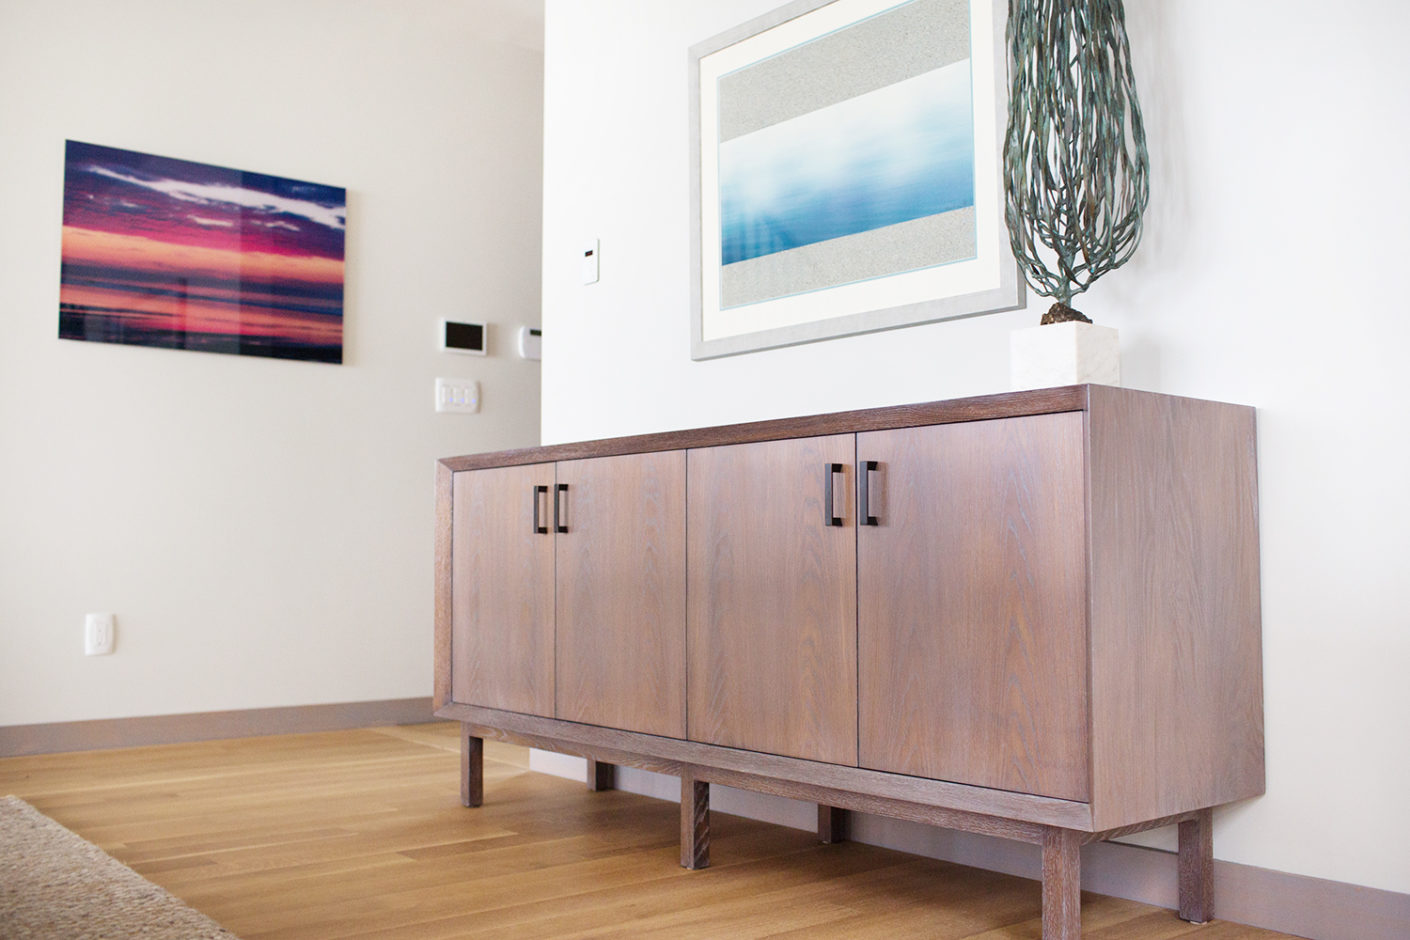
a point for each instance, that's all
(902, 152)
(183, 255)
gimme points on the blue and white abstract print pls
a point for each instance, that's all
(899, 153)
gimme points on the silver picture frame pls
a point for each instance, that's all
(769, 98)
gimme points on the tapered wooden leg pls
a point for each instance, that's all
(1197, 868)
(832, 824)
(472, 768)
(695, 823)
(601, 776)
(1062, 885)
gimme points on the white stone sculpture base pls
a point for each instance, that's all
(1071, 353)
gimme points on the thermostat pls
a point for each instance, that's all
(530, 342)
(459, 336)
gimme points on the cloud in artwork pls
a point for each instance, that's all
(334, 217)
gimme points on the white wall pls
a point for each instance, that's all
(1270, 274)
(262, 528)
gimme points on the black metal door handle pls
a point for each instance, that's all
(864, 516)
(539, 527)
(559, 507)
(830, 517)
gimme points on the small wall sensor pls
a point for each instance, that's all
(530, 342)
(460, 336)
(591, 253)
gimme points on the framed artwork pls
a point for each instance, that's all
(182, 255)
(846, 172)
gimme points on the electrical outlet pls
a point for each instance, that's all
(98, 632)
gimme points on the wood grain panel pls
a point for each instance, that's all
(846, 801)
(601, 776)
(1009, 814)
(1177, 691)
(972, 605)
(445, 590)
(772, 599)
(472, 768)
(832, 824)
(1108, 834)
(979, 408)
(695, 822)
(1196, 861)
(502, 608)
(621, 593)
(1062, 885)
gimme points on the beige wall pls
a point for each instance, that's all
(1270, 274)
(261, 528)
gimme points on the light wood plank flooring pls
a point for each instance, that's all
(361, 834)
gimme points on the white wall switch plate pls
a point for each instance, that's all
(530, 342)
(458, 395)
(592, 249)
(98, 632)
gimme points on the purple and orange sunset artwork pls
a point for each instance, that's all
(183, 255)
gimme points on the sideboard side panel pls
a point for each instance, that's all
(1177, 693)
(444, 586)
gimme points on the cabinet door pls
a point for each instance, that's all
(621, 593)
(771, 621)
(502, 588)
(972, 605)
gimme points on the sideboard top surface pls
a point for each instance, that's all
(979, 408)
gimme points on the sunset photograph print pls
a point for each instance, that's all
(182, 255)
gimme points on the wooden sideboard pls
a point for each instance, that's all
(1032, 615)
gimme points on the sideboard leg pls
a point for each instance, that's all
(695, 822)
(1062, 885)
(832, 824)
(600, 776)
(1197, 868)
(472, 768)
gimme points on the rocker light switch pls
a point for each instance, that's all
(458, 395)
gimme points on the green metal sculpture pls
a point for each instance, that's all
(1075, 164)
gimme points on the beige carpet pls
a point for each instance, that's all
(55, 885)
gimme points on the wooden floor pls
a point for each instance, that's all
(361, 834)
